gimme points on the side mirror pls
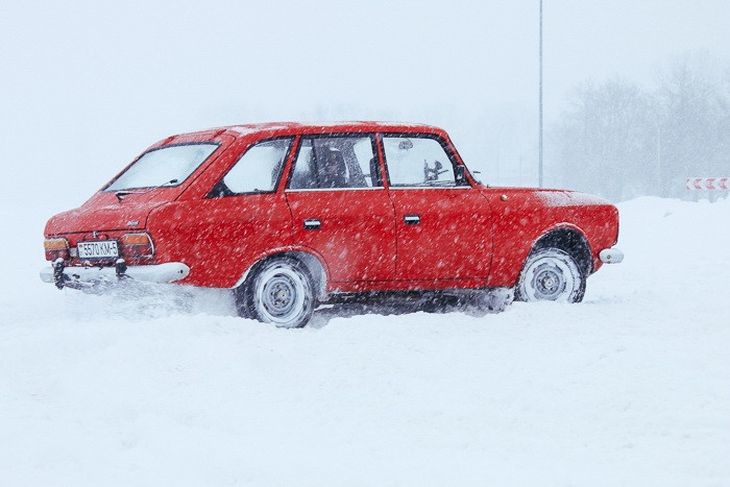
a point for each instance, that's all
(460, 174)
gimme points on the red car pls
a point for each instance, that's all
(290, 215)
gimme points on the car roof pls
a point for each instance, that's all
(272, 129)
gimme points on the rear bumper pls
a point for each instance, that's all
(611, 256)
(77, 277)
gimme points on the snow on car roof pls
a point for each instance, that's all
(246, 129)
(286, 128)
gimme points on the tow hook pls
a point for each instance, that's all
(121, 267)
(59, 278)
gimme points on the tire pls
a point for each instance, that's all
(280, 292)
(551, 274)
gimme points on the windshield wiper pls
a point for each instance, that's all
(124, 192)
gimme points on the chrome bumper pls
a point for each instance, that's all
(74, 276)
(611, 256)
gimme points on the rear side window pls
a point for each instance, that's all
(332, 162)
(257, 171)
(165, 166)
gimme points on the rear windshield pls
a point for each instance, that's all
(166, 166)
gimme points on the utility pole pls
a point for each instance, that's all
(659, 156)
(540, 145)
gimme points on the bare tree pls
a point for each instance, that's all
(693, 126)
(606, 139)
(621, 141)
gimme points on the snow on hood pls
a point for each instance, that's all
(569, 198)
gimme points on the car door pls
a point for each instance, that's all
(240, 219)
(443, 228)
(340, 208)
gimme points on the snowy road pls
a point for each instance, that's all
(632, 387)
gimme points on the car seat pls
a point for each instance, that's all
(333, 170)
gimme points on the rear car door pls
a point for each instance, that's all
(340, 208)
(442, 225)
(241, 218)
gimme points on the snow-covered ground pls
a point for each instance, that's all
(632, 387)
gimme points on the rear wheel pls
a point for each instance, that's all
(551, 274)
(280, 292)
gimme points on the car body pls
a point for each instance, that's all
(354, 207)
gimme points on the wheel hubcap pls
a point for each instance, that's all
(548, 282)
(278, 295)
(282, 295)
(550, 276)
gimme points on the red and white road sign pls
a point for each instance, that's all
(708, 184)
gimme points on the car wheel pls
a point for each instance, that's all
(280, 292)
(551, 275)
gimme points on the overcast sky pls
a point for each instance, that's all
(102, 80)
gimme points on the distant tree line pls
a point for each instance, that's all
(622, 140)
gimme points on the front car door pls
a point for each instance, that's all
(341, 210)
(443, 228)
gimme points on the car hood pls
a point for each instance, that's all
(105, 212)
(553, 197)
(561, 197)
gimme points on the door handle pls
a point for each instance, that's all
(412, 219)
(312, 224)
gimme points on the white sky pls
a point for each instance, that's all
(95, 82)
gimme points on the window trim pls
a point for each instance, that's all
(304, 190)
(447, 148)
(400, 188)
(335, 135)
(106, 189)
(275, 186)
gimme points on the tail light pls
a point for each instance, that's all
(56, 248)
(137, 246)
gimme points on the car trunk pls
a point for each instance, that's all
(107, 212)
(107, 216)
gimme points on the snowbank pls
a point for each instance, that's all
(630, 387)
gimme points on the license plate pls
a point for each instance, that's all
(102, 249)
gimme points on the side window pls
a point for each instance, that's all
(257, 171)
(336, 162)
(417, 161)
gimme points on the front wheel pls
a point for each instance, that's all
(279, 292)
(551, 275)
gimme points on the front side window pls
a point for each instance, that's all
(336, 162)
(165, 166)
(257, 171)
(417, 162)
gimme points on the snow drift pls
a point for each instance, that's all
(630, 387)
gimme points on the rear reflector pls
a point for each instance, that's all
(136, 239)
(56, 248)
(137, 246)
